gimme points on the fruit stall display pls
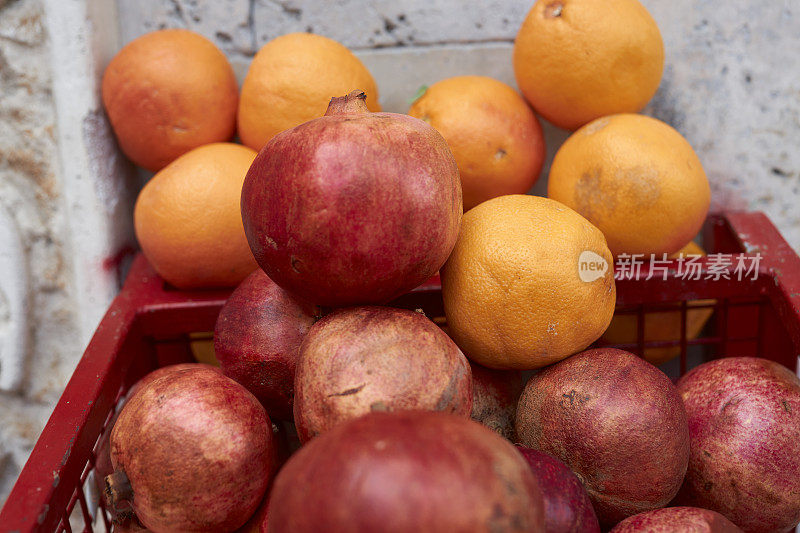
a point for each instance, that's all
(358, 321)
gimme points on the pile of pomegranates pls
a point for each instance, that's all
(333, 411)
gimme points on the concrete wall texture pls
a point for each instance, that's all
(730, 85)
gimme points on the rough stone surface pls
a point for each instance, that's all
(30, 193)
(730, 86)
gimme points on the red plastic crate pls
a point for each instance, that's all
(148, 325)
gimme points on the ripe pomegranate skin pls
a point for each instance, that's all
(360, 359)
(353, 207)
(495, 394)
(671, 519)
(744, 424)
(258, 522)
(567, 507)
(257, 340)
(192, 451)
(102, 463)
(617, 422)
(421, 471)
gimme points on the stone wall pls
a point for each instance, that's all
(730, 86)
(37, 319)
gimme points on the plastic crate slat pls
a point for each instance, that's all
(755, 233)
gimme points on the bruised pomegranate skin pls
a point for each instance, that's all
(421, 471)
(567, 507)
(672, 519)
(192, 451)
(495, 394)
(361, 359)
(257, 340)
(353, 207)
(619, 424)
(744, 425)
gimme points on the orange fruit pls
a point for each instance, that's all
(495, 137)
(201, 345)
(188, 222)
(292, 79)
(636, 179)
(513, 294)
(578, 60)
(662, 325)
(168, 92)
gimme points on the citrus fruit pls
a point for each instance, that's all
(513, 293)
(636, 179)
(201, 345)
(662, 325)
(292, 79)
(493, 134)
(577, 60)
(188, 222)
(167, 92)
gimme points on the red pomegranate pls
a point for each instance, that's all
(354, 207)
(567, 507)
(257, 340)
(363, 359)
(129, 525)
(192, 451)
(744, 425)
(495, 394)
(421, 471)
(619, 424)
(102, 464)
(258, 522)
(672, 519)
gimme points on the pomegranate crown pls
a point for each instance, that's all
(353, 103)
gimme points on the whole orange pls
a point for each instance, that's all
(495, 137)
(635, 178)
(292, 79)
(188, 222)
(662, 325)
(577, 60)
(513, 293)
(167, 92)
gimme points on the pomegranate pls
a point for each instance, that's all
(353, 207)
(257, 340)
(567, 508)
(102, 464)
(363, 359)
(192, 451)
(258, 522)
(671, 519)
(495, 394)
(129, 525)
(617, 421)
(421, 471)
(744, 424)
